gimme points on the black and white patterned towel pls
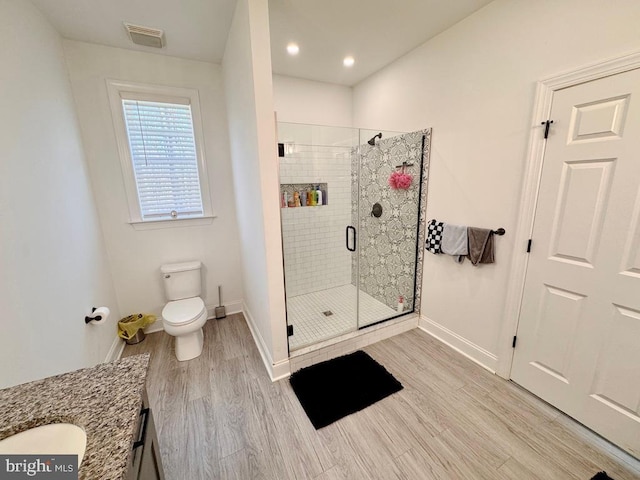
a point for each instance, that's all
(434, 236)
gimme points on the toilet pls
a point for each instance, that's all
(185, 314)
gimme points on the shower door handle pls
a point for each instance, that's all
(352, 249)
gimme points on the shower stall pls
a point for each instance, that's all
(352, 208)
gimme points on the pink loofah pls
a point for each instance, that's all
(400, 180)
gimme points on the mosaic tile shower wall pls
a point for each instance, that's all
(388, 243)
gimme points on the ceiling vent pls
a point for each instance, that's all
(149, 37)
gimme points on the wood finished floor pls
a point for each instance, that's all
(220, 417)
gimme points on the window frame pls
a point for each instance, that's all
(119, 91)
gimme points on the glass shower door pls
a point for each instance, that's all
(315, 188)
(388, 212)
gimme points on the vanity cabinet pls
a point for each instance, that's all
(146, 463)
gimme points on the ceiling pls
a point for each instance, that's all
(195, 29)
(374, 32)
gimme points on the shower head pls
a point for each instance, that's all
(372, 142)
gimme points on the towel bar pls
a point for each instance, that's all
(500, 231)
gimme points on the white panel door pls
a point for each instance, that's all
(578, 341)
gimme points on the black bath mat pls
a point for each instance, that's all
(339, 387)
(601, 476)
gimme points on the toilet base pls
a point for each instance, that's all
(189, 346)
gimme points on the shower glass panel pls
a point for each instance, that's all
(387, 208)
(349, 238)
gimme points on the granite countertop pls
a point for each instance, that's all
(104, 400)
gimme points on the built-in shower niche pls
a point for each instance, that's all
(304, 191)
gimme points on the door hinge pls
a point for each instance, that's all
(513, 345)
(289, 330)
(546, 124)
(529, 245)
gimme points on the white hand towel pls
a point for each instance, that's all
(455, 240)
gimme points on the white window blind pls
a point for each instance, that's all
(164, 159)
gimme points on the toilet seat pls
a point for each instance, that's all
(183, 312)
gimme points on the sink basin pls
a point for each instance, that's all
(54, 438)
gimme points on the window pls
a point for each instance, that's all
(159, 140)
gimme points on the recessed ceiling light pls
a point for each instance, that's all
(348, 61)
(293, 49)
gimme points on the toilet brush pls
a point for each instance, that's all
(221, 311)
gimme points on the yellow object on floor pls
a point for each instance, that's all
(129, 326)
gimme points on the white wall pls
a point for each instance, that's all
(52, 258)
(136, 255)
(249, 96)
(474, 84)
(317, 103)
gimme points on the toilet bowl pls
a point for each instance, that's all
(185, 314)
(184, 320)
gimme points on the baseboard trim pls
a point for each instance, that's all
(115, 351)
(231, 308)
(275, 371)
(460, 344)
(155, 327)
(281, 370)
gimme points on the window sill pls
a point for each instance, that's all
(180, 222)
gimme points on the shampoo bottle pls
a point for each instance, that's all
(303, 199)
(400, 304)
(285, 200)
(319, 193)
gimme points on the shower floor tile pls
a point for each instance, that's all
(311, 325)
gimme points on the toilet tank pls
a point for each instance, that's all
(182, 280)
